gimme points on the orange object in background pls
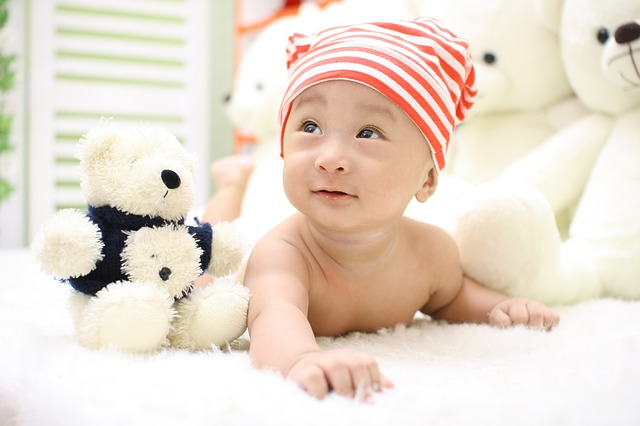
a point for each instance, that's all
(244, 141)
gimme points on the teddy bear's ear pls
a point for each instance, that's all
(549, 12)
(98, 143)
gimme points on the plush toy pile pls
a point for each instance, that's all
(523, 93)
(131, 258)
(506, 238)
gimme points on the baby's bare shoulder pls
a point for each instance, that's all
(436, 253)
(430, 237)
(278, 248)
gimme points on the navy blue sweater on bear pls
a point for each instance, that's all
(113, 224)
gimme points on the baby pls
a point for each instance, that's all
(365, 124)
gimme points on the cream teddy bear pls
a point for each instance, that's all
(509, 242)
(131, 259)
(523, 94)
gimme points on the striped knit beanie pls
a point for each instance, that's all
(419, 64)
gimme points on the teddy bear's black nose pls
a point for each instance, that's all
(627, 33)
(170, 179)
(164, 273)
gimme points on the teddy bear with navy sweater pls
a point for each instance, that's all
(131, 258)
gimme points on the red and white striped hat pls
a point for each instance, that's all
(419, 64)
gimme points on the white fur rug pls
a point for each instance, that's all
(586, 372)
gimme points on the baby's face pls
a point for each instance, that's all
(352, 157)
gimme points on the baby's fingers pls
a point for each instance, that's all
(499, 318)
(551, 319)
(340, 380)
(540, 316)
(311, 378)
(536, 316)
(523, 312)
(368, 379)
(386, 383)
(353, 375)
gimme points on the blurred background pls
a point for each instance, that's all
(64, 64)
(213, 71)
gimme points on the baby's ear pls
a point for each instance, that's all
(428, 186)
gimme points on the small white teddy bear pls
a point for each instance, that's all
(132, 259)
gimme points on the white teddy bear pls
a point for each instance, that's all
(131, 259)
(523, 94)
(595, 161)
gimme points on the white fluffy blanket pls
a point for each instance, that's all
(586, 372)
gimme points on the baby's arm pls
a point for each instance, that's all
(476, 303)
(281, 336)
(461, 299)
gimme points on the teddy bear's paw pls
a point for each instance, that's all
(166, 256)
(130, 316)
(69, 245)
(227, 250)
(508, 239)
(211, 316)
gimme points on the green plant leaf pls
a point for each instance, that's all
(5, 189)
(4, 17)
(7, 75)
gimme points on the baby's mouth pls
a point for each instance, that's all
(324, 191)
(334, 195)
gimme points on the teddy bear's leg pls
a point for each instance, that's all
(601, 256)
(508, 240)
(578, 275)
(131, 316)
(210, 316)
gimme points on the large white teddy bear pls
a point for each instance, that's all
(510, 243)
(523, 94)
(259, 84)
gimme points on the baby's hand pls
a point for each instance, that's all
(523, 311)
(348, 373)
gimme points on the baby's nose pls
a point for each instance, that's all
(333, 157)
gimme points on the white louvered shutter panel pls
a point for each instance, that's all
(132, 60)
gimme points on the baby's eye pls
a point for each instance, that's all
(368, 133)
(311, 127)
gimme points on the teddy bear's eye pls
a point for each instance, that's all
(490, 58)
(603, 35)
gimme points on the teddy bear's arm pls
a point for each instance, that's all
(69, 245)
(222, 247)
(560, 167)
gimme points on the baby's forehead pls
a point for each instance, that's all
(356, 93)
